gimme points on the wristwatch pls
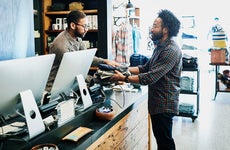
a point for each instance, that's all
(127, 78)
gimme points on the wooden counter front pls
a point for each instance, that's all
(131, 132)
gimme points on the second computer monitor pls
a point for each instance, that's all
(72, 64)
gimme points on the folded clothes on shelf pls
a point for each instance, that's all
(186, 108)
(188, 47)
(187, 83)
(188, 36)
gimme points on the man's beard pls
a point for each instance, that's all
(77, 34)
(155, 37)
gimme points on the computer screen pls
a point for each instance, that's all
(18, 75)
(72, 64)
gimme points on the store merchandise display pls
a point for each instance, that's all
(219, 50)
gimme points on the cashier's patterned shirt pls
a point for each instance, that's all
(162, 75)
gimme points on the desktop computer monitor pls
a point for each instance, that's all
(72, 64)
(18, 75)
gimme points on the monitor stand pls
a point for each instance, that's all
(86, 99)
(33, 117)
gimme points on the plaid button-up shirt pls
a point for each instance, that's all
(162, 75)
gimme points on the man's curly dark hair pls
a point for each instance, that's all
(170, 21)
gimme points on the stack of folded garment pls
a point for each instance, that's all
(105, 72)
(186, 108)
(188, 47)
(187, 83)
(188, 36)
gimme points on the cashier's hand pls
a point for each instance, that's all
(118, 76)
(112, 63)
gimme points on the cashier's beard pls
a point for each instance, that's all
(77, 34)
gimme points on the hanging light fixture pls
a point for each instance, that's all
(129, 5)
(130, 9)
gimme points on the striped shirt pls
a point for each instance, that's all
(162, 75)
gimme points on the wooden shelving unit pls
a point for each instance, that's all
(49, 17)
(93, 11)
(100, 38)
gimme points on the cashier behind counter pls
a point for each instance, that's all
(70, 40)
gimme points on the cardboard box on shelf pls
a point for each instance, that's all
(218, 55)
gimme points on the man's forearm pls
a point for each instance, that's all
(134, 70)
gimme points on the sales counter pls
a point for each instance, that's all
(127, 130)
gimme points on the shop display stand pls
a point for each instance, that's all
(189, 45)
(196, 92)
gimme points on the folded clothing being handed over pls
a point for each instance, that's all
(105, 72)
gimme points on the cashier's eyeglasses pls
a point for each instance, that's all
(85, 26)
